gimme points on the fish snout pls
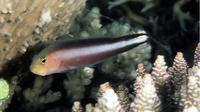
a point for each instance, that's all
(37, 70)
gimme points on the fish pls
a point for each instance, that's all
(68, 54)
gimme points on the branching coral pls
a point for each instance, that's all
(179, 72)
(190, 93)
(19, 33)
(179, 14)
(159, 72)
(115, 29)
(74, 85)
(34, 96)
(123, 97)
(160, 19)
(118, 69)
(140, 70)
(162, 80)
(197, 55)
(24, 23)
(148, 4)
(109, 101)
(77, 107)
(150, 89)
(146, 98)
(76, 81)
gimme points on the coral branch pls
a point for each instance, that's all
(146, 98)
(77, 107)
(197, 55)
(123, 97)
(179, 14)
(179, 71)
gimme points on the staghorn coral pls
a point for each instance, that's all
(102, 89)
(117, 68)
(137, 84)
(190, 93)
(89, 108)
(35, 96)
(87, 75)
(74, 85)
(24, 23)
(115, 29)
(197, 55)
(146, 98)
(149, 90)
(160, 19)
(109, 101)
(193, 92)
(77, 107)
(140, 70)
(123, 97)
(165, 30)
(76, 81)
(179, 71)
(159, 72)
(191, 109)
(148, 4)
(162, 80)
(179, 14)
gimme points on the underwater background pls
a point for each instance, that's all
(161, 75)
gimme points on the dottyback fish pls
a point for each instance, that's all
(68, 54)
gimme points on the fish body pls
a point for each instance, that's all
(64, 55)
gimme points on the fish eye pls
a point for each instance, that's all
(43, 60)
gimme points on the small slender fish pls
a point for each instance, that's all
(64, 55)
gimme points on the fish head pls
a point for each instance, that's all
(42, 65)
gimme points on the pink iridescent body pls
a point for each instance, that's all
(64, 55)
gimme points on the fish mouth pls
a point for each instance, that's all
(37, 70)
